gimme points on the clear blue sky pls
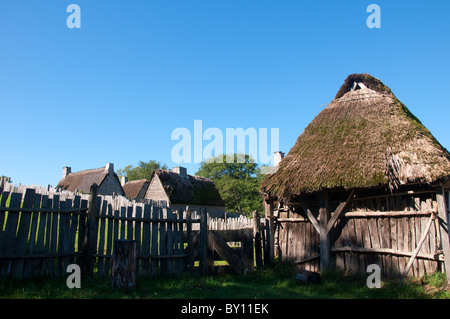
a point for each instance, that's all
(114, 90)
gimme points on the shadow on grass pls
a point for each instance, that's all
(276, 282)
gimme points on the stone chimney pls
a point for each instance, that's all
(180, 170)
(277, 157)
(124, 180)
(66, 171)
(110, 168)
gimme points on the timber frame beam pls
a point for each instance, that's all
(444, 229)
(339, 211)
(324, 225)
(335, 216)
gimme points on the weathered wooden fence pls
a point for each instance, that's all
(41, 235)
(42, 231)
(400, 233)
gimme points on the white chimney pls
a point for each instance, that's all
(124, 180)
(277, 157)
(180, 170)
(66, 171)
(110, 168)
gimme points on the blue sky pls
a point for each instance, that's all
(115, 89)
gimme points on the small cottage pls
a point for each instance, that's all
(365, 183)
(135, 190)
(107, 180)
(178, 190)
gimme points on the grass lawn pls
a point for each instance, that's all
(269, 283)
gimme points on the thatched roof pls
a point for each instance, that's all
(191, 189)
(364, 138)
(133, 188)
(83, 180)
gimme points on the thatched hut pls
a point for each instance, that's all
(136, 190)
(362, 185)
(178, 189)
(107, 180)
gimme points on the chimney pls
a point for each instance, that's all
(110, 168)
(124, 180)
(277, 157)
(180, 170)
(66, 171)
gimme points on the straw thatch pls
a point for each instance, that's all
(136, 189)
(188, 189)
(81, 181)
(364, 138)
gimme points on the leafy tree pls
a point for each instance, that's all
(237, 177)
(144, 170)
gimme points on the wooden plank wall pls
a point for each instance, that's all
(299, 240)
(362, 237)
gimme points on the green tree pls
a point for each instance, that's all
(237, 177)
(143, 170)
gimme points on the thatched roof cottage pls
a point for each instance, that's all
(136, 190)
(178, 190)
(360, 185)
(105, 177)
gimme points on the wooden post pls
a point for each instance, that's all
(419, 245)
(203, 246)
(247, 252)
(268, 207)
(90, 239)
(324, 215)
(257, 237)
(190, 248)
(443, 226)
(123, 271)
(266, 243)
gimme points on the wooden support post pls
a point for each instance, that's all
(266, 243)
(190, 243)
(338, 211)
(247, 252)
(311, 218)
(443, 226)
(203, 246)
(419, 245)
(90, 239)
(324, 215)
(257, 237)
(268, 207)
(123, 271)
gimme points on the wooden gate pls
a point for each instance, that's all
(241, 260)
(243, 249)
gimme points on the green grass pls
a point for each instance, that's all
(269, 283)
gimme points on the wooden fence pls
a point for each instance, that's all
(42, 231)
(41, 235)
(400, 233)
